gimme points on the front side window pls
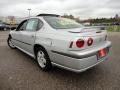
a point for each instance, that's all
(62, 23)
(22, 26)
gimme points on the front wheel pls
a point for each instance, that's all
(43, 60)
(10, 43)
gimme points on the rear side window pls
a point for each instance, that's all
(40, 24)
(32, 25)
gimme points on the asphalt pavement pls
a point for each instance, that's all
(18, 71)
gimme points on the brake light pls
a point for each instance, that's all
(101, 52)
(80, 43)
(90, 41)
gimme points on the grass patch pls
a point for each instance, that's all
(114, 28)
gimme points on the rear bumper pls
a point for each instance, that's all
(81, 65)
(79, 61)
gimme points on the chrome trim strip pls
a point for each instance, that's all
(21, 41)
(75, 56)
(31, 55)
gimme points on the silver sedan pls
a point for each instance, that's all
(56, 41)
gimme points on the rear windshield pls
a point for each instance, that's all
(62, 23)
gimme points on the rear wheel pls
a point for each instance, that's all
(10, 43)
(43, 59)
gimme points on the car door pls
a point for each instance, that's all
(29, 35)
(17, 35)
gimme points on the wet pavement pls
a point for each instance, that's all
(18, 71)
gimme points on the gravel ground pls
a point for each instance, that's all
(20, 72)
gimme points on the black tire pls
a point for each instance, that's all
(47, 64)
(9, 41)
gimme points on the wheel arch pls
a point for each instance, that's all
(48, 61)
(9, 36)
(36, 47)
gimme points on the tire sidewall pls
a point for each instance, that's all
(48, 62)
(9, 38)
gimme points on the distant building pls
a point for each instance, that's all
(3, 19)
(19, 19)
(11, 19)
(116, 16)
(86, 24)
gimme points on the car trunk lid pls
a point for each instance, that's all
(97, 34)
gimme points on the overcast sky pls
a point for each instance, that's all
(79, 8)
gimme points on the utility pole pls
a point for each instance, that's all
(29, 12)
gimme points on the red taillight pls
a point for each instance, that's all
(101, 52)
(80, 43)
(90, 41)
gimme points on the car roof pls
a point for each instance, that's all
(52, 15)
(42, 15)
